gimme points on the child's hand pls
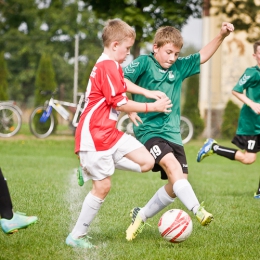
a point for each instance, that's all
(255, 107)
(162, 105)
(226, 29)
(134, 118)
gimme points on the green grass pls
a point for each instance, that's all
(42, 182)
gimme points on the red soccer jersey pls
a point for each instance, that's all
(106, 90)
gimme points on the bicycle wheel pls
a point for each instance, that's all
(186, 129)
(38, 128)
(10, 121)
(125, 125)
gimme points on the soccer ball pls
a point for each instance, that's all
(175, 225)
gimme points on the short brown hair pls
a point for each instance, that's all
(256, 44)
(168, 34)
(116, 30)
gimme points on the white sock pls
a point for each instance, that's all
(90, 208)
(126, 164)
(159, 201)
(185, 193)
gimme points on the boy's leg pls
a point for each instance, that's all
(99, 167)
(159, 201)
(211, 146)
(11, 222)
(6, 207)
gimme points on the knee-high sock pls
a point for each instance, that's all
(90, 208)
(186, 195)
(126, 164)
(159, 201)
(6, 207)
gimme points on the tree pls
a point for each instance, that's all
(3, 78)
(147, 16)
(230, 120)
(45, 79)
(190, 107)
(30, 28)
(244, 14)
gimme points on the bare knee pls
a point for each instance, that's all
(101, 188)
(247, 158)
(148, 165)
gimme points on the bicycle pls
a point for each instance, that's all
(10, 118)
(42, 120)
(186, 128)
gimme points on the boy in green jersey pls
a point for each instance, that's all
(247, 136)
(163, 70)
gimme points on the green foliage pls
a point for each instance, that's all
(190, 108)
(147, 16)
(3, 78)
(45, 79)
(230, 120)
(30, 28)
(244, 14)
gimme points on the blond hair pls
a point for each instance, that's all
(168, 34)
(116, 30)
(256, 44)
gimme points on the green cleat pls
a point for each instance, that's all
(82, 242)
(80, 176)
(203, 216)
(19, 220)
(137, 225)
(206, 149)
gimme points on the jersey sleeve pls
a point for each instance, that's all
(135, 68)
(246, 80)
(113, 86)
(189, 65)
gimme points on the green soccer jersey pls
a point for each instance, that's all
(249, 121)
(146, 72)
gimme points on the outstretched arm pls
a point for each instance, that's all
(207, 51)
(135, 89)
(242, 97)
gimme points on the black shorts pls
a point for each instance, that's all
(250, 143)
(159, 147)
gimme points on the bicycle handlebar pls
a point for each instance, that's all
(48, 92)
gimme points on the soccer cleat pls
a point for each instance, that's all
(256, 196)
(82, 242)
(80, 176)
(206, 149)
(19, 220)
(203, 216)
(137, 225)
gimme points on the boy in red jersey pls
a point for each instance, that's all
(100, 145)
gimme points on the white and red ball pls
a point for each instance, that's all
(175, 225)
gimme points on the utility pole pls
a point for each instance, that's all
(76, 61)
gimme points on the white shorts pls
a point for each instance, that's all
(101, 164)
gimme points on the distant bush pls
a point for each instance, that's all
(190, 108)
(230, 120)
(3, 78)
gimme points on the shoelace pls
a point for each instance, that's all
(140, 229)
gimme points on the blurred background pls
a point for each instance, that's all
(49, 44)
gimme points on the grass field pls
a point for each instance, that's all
(42, 181)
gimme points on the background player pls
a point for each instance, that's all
(247, 136)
